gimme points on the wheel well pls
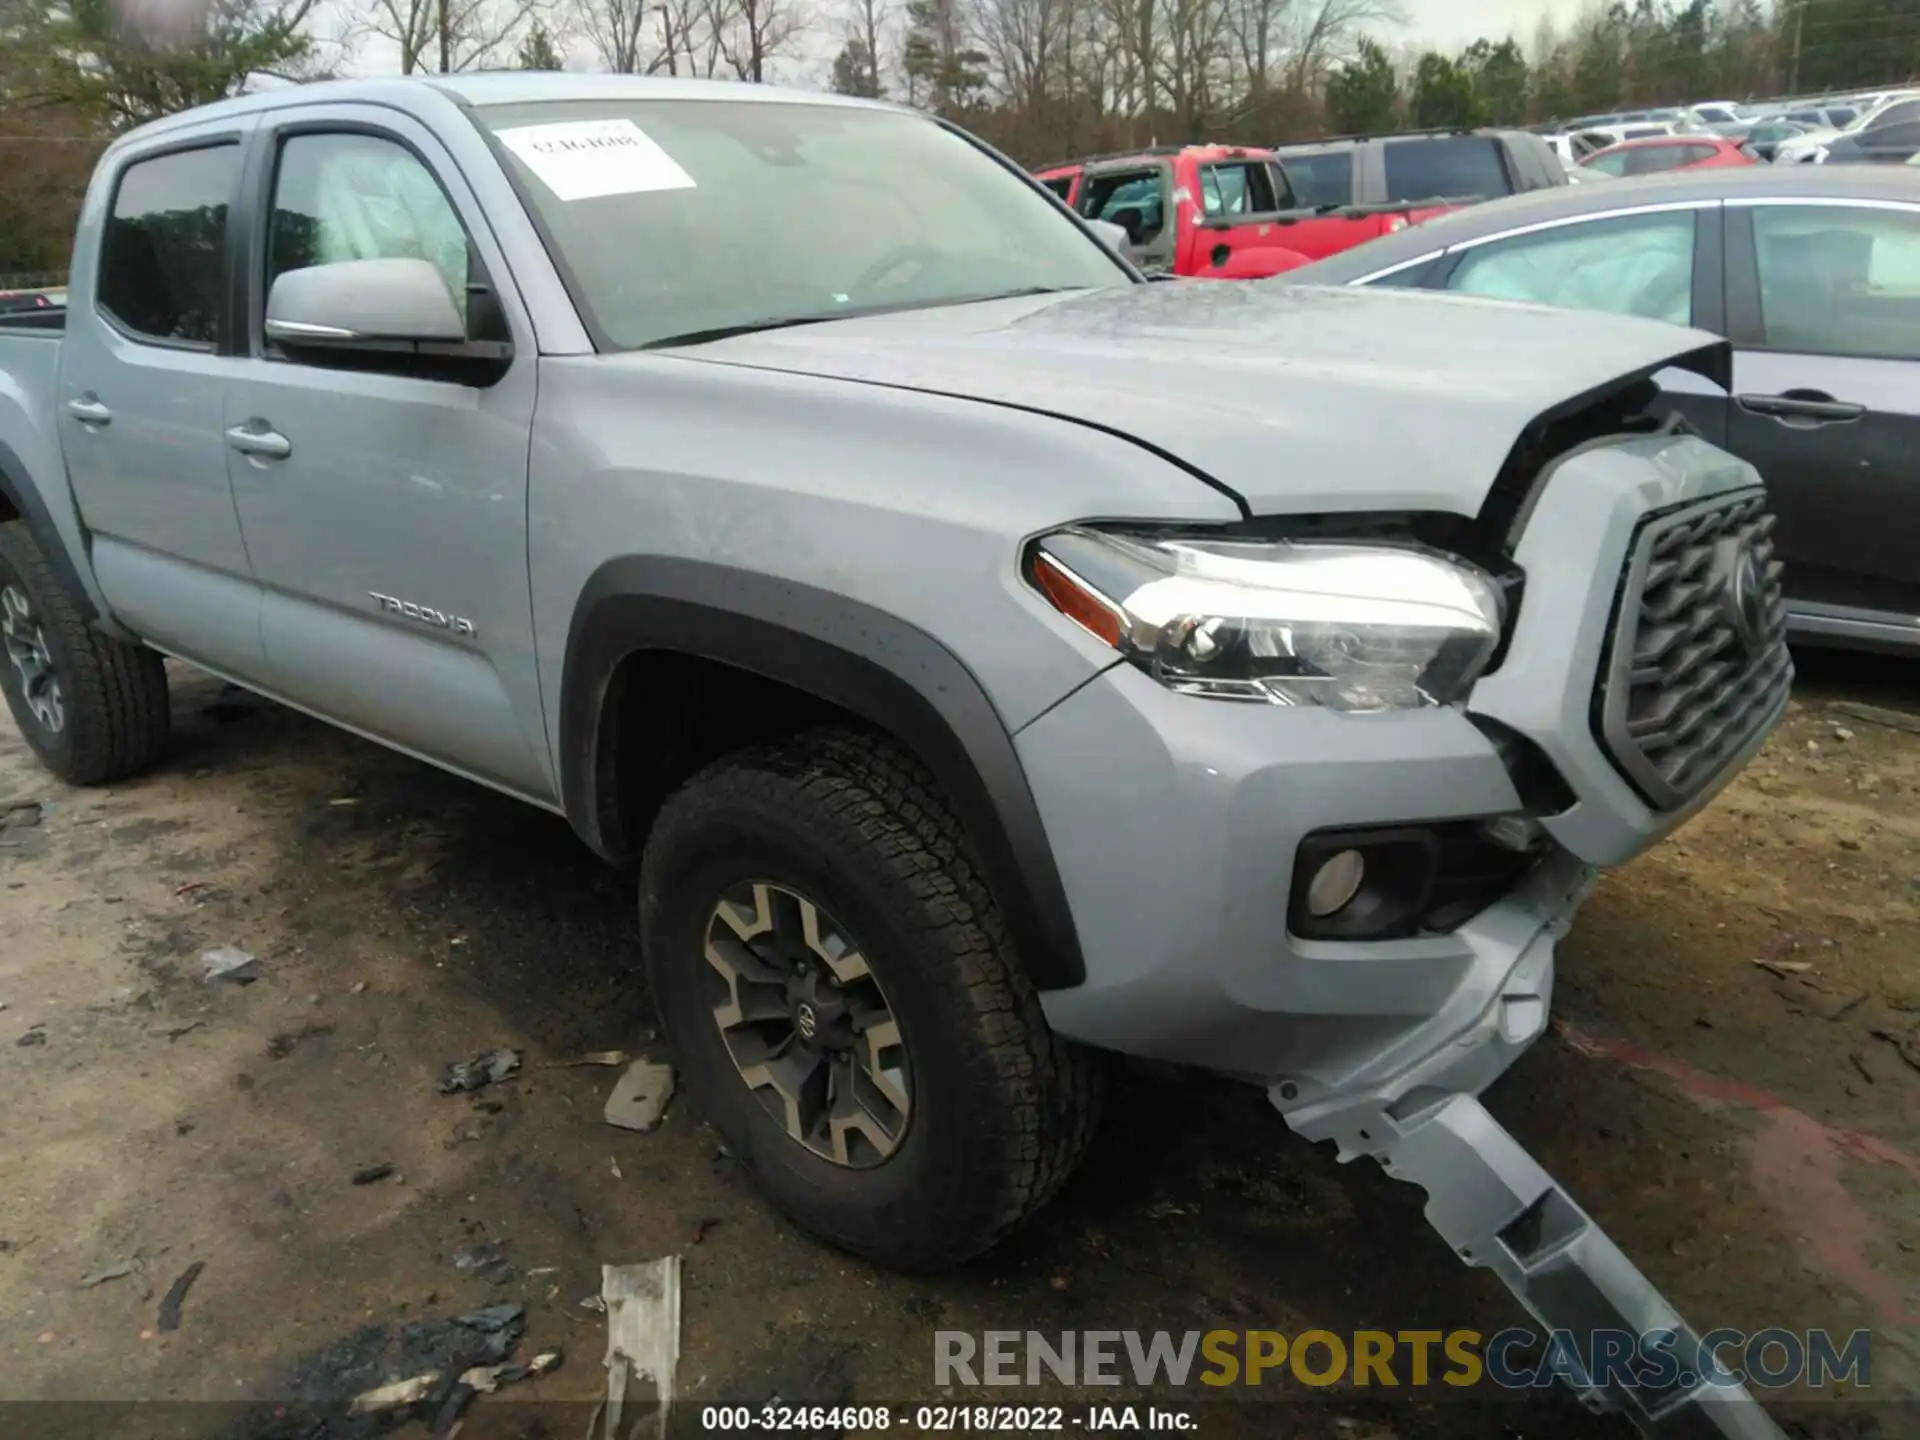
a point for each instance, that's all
(672, 663)
(667, 715)
(8, 511)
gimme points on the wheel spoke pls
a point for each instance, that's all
(793, 921)
(744, 923)
(852, 1116)
(878, 1055)
(754, 988)
(846, 963)
(794, 1087)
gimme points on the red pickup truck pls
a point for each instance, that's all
(1217, 212)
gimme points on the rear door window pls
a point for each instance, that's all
(1453, 167)
(1061, 185)
(163, 247)
(1652, 159)
(1320, 178)
(1243, 188)
(1629, 265)
(1839, 281)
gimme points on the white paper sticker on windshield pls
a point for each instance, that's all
(586, 159)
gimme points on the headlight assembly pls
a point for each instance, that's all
(1347, 626)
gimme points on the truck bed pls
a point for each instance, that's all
(40, 320)
(33, 475)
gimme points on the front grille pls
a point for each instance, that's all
(1696, 663)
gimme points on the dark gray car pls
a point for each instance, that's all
(1813, 273)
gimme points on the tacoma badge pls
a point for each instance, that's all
(425, 614)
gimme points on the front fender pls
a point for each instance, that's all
(848, 654)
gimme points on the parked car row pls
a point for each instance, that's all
(1234, 213)
(1844, 129)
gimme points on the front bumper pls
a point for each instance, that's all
(1175, 822)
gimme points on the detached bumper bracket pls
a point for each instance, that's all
(1496, 1207)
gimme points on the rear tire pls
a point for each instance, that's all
(978, 1114)
(92, 708)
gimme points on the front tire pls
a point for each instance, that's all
(843, 1000)
(92, 708)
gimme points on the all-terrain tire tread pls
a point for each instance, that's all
(118, 703)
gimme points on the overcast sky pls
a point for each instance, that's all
(1448, 25)
(1444, 25)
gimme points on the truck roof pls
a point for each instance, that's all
(1199, 151)
(504, 87)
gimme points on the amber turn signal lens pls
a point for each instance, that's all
(1076, 600)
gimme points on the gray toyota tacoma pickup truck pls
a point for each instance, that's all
(986, 659)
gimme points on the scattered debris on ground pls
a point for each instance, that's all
(1877, 715)
(36, 1035)
(608, 1058)
(400, 1393)
(486, 1068)
(20, 815)
(1906, 1043)
(117, 1270)
(368, 1174)
(229, 962)
(176, 1296)
(485, 1258)
(387, 1377)
(643, 1335)
(281, 1045)
(640, 1097)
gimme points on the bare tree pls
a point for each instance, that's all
(690, 41)
(1258, 32)
(447, 36)
(862, 35)
(623, 33)
(749, 33)
(1324, 31)
(1026, 43)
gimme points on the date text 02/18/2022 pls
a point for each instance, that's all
(975, 1419)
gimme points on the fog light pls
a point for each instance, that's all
(1335, 883)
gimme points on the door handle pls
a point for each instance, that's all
(268, 444)
(1805, 408)
(89, 411)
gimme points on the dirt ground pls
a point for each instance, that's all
(1749, 1135)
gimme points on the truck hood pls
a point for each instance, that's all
(1289, 398)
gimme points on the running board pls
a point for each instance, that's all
(1496, 1207)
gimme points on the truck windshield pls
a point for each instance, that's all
(681, 220)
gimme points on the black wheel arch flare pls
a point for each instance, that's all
(18, 495)
(865, 661)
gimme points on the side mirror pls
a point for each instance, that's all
(1115, 236)
(358, 301)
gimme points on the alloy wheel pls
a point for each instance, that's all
(807, 1024)
(26, 646)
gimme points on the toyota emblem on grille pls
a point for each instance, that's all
(1744, 594)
